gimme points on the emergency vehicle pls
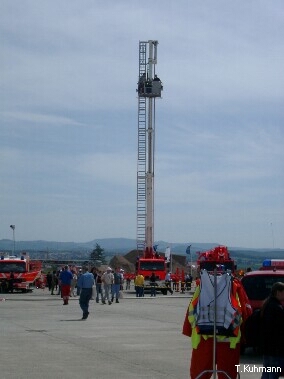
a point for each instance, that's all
(151, 263)
(219, 256)
(149, 89)
(24, 270)
(258, 283)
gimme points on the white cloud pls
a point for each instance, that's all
(39, 119)
(68, 118)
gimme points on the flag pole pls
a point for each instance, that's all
(188, 251)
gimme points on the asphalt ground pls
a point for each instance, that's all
(138, 338)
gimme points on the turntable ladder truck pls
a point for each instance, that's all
(149, 88)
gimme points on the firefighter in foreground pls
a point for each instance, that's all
(205, 322)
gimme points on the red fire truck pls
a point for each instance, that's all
(258, 283)
(219, 256)
(18, 273)
(151, 262)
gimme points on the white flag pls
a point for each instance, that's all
(168, 254)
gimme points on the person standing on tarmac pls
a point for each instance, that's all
(73, 284)
(188, 282)
(117, 281)
(78, 276)
(107, 280)
(11, 282)
(139, 285)
(65, 278)
(153, 284)
(53, 282)
(168, 282)
(49, 280)
(272, 331)
(99, 289)
(85, 282)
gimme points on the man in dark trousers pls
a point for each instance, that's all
(85, 282)
(11, 282)
(116, 285)
(153, 284)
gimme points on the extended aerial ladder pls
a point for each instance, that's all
(149, 88)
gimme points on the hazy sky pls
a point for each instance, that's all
(68, 114)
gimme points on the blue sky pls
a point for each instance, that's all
(68, 114)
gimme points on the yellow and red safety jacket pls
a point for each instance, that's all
(239, 301)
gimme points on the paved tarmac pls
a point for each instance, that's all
(139, 338)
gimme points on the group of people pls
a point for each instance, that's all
(53, 282)
(216, 327)
(107, 284)
(139, 283)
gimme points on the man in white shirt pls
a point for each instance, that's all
(107, 280)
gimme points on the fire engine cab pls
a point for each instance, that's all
(18, 273)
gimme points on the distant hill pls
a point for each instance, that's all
(120, 246)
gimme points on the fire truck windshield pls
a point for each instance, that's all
(12, 266)
(152, 265)
(210, 266)
(259, 287)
